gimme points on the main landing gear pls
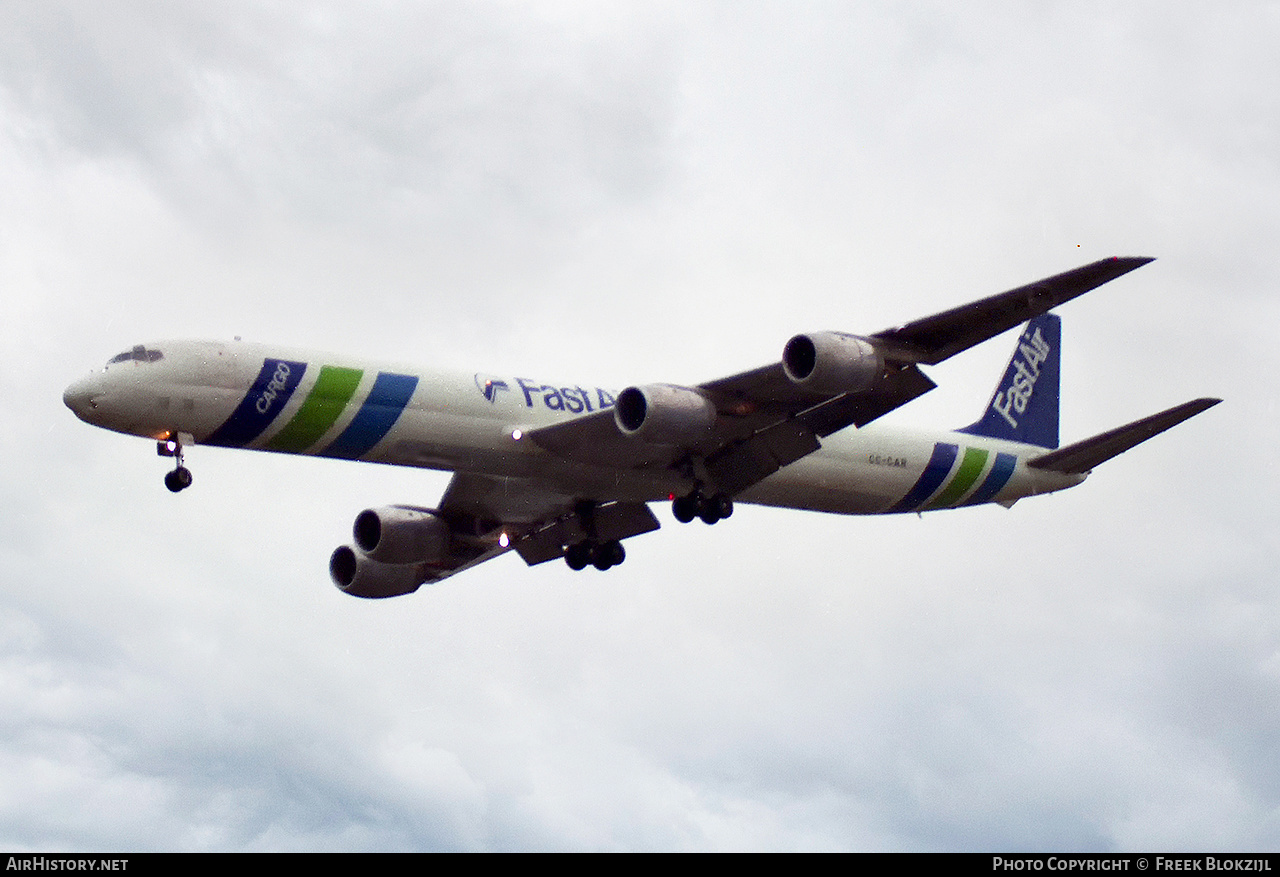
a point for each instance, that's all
(695, 505)
(603, 554)
(180, 478)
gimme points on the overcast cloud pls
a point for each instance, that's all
(622, 193)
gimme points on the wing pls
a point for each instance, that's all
(400, 548)
(943, 335)
(764, 419)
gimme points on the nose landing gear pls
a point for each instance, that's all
(180, 478)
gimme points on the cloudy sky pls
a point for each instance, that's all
(621, 193)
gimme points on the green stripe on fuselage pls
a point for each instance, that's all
(975, 460)
(333, 390)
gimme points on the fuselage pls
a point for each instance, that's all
(268, 398)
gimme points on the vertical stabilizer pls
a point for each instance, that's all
(1024, 407)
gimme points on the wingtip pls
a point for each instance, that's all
(1133, 261)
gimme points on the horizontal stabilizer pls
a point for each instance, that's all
(1083, 456)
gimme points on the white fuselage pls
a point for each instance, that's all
(295, 401)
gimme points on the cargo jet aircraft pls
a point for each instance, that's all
(553, 471)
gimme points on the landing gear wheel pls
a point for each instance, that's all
(616, 552)
(684, 509)
(723, 505)
(578, 556)
(608, 554)
(179, 479)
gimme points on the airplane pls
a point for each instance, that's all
(554, 470)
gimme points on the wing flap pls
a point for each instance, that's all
(538, 521)
(894, 390)
(1082, 456)
(615, 520)
(742, 464)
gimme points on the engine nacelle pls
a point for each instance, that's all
(664, 414)
(358, 575)
(394, 534)
(831, 363)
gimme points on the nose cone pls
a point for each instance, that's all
(82, 397)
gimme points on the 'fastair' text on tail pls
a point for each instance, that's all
(1024, 407)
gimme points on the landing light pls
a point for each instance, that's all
(517, 434)
(503, 540)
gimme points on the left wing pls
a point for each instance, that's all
(741, 429)
(400, 548)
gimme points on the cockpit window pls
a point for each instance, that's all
(138, 354)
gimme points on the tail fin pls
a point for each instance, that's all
(1024, 407)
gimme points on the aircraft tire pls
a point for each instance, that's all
(179, 479)
(602, 556)
(684, 508)
(615, 551)
(723, 504)
(578, 556)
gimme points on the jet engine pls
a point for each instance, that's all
(358, 575)
(397, 534)
(392, 544)
(831, 363)
(664, 414)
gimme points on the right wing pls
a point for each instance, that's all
(943, 335)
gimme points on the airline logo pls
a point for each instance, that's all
(934, 490)
(490, 387)
(575, 400)
(1034, 350)
(324, 404)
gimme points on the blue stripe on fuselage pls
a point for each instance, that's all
(263, 403)
(998, 477)
(944, 455)
(387, 399)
